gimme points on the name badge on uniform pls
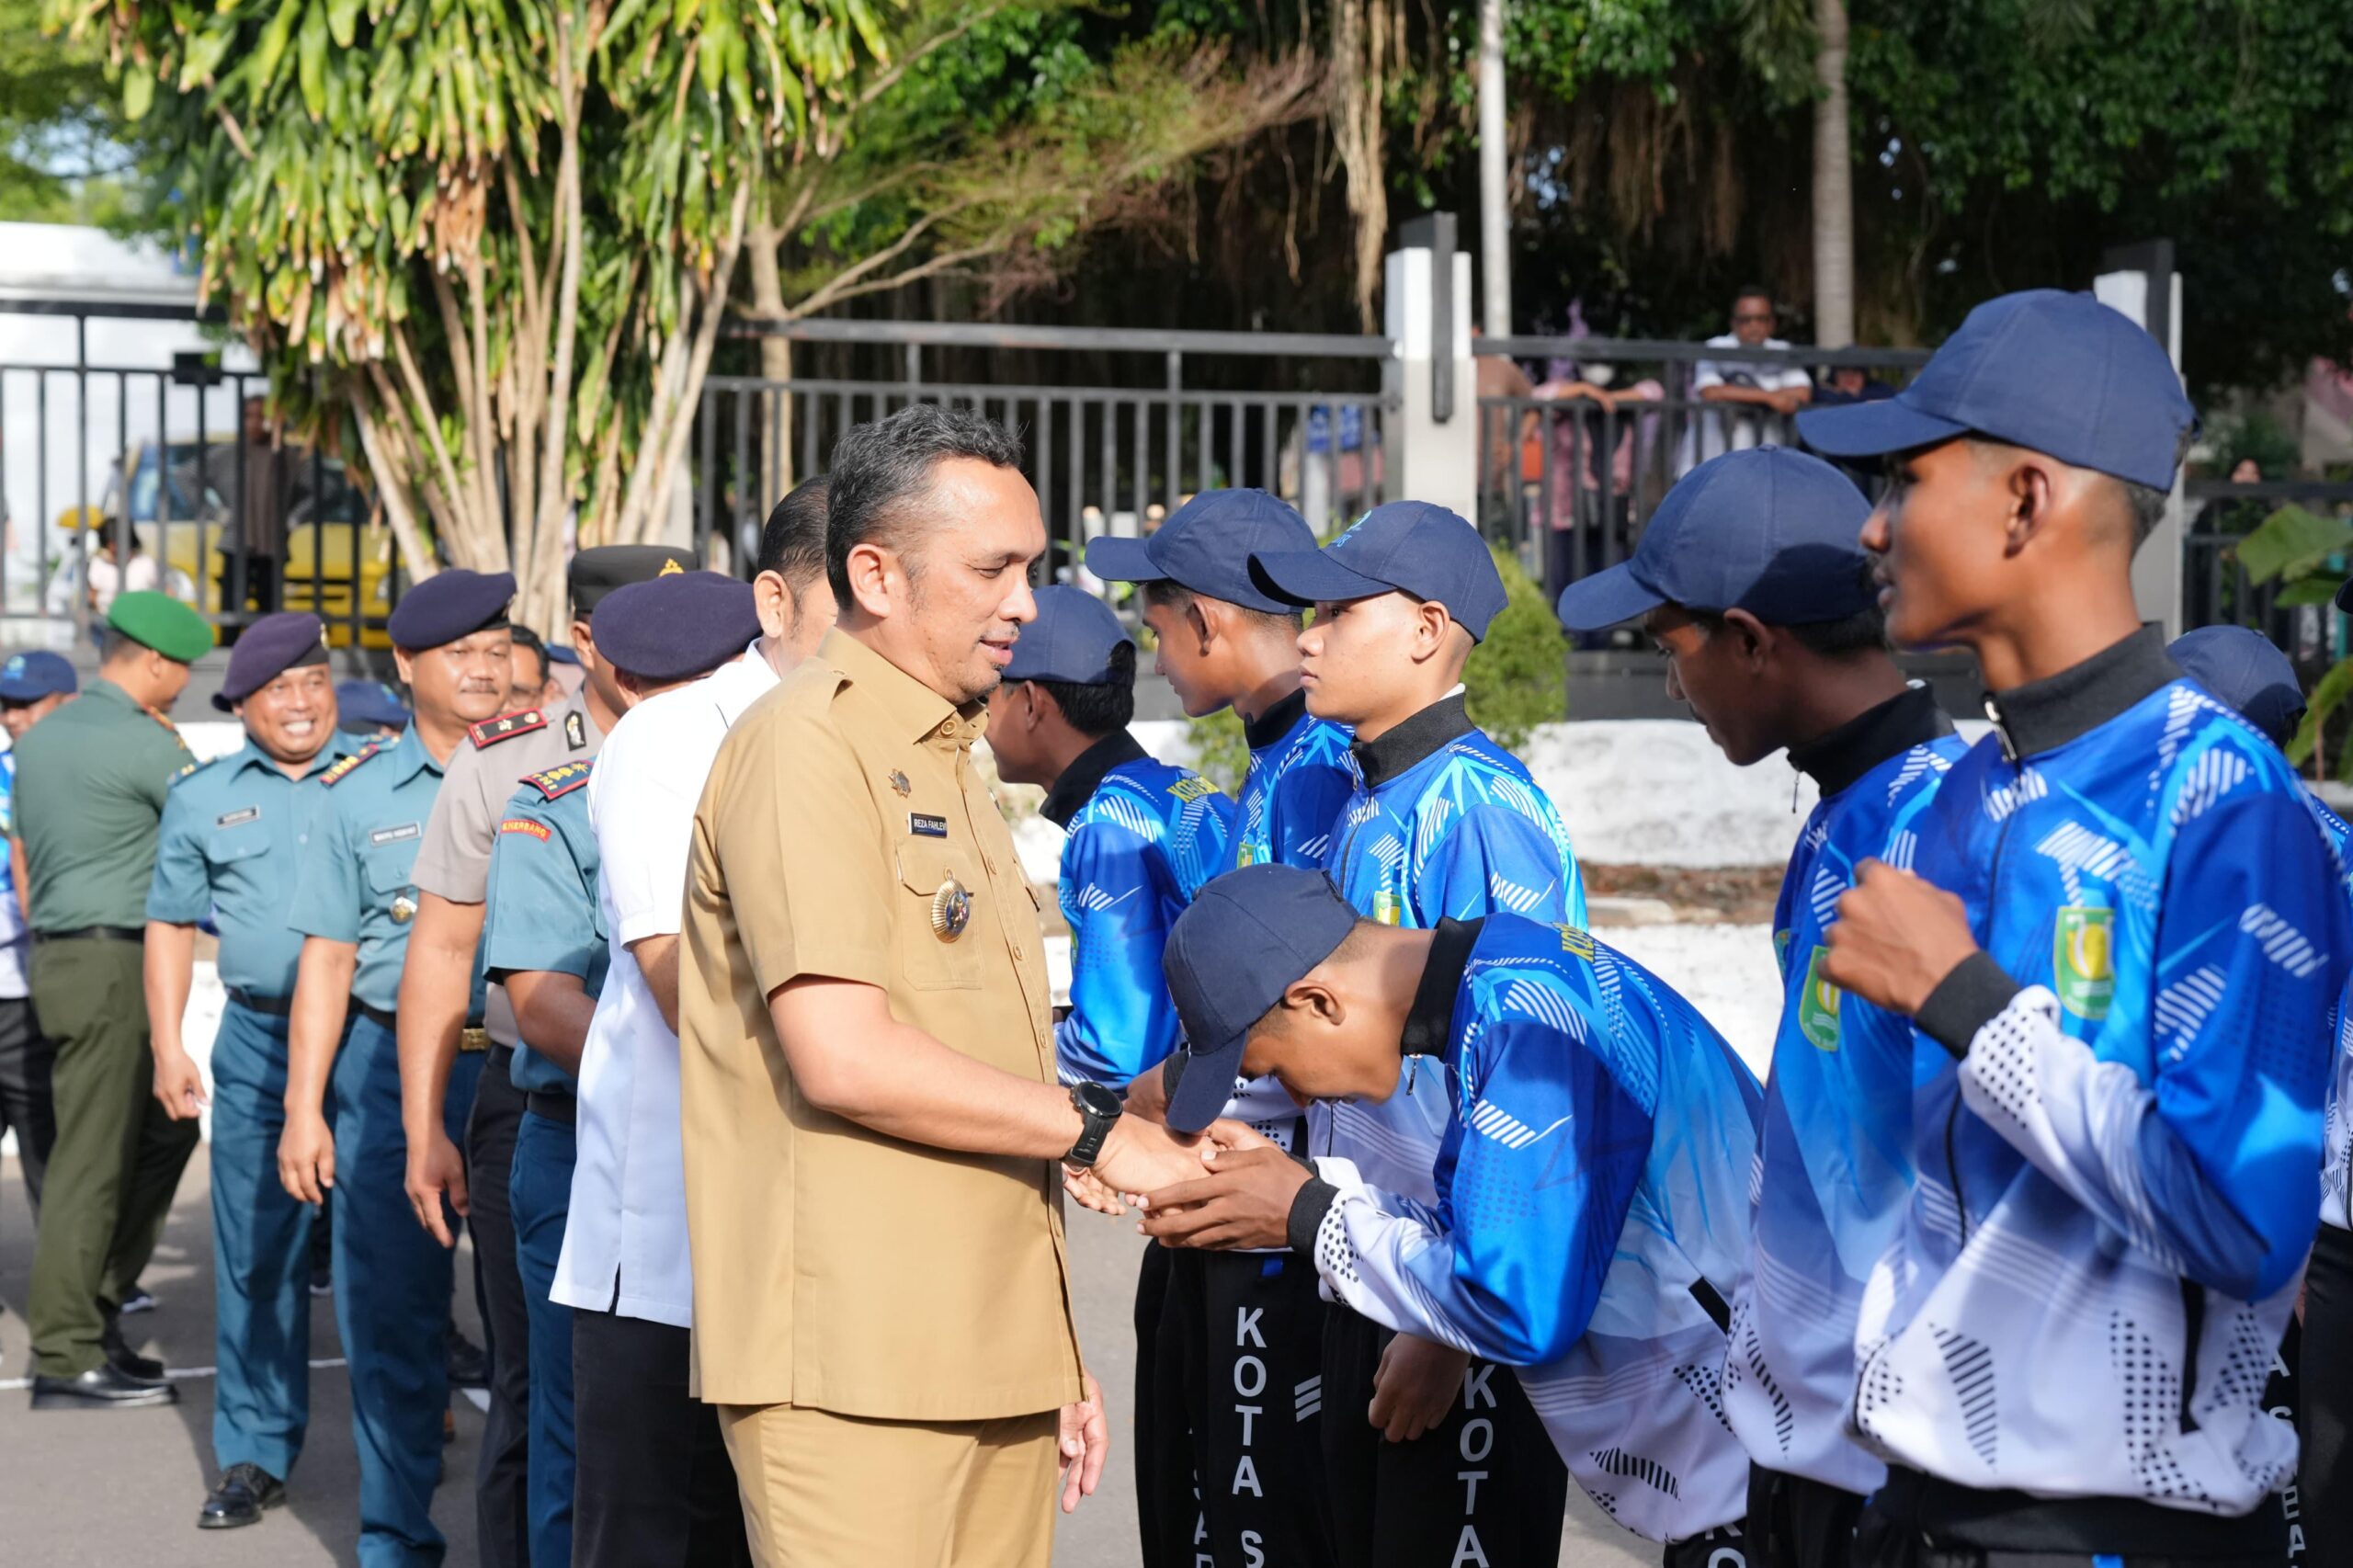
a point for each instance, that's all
(924, 826)
(394, 834)
(237, 819)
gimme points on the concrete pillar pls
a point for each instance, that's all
(1433, 439)
(2140, 281)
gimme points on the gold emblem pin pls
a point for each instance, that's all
(951, 910)
(899, 782)
(403, 909)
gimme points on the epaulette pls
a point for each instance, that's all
(506, 727)
(560, 781)
(193, 769)
(342, 770)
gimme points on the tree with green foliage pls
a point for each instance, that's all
(501, 238)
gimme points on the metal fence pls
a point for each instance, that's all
(125, 463)
(1190, 411)
(1569, 473)
(2215, 589)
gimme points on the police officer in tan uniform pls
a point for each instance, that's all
(865, 1028)
(437, 979)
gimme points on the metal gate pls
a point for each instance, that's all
(1118, 427)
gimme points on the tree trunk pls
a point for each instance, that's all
(1834, 195)
(1494, 183)
(776, 358)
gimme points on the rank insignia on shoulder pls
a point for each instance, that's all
(560, 781)
(343, 770)
(537, 830)
(506, 727)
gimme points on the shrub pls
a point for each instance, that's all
(1517, 677)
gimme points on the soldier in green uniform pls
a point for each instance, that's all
(354, 903)
(91, 782)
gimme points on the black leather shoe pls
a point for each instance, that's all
(469, 1363)
(243, 1492)
(129, 1362)
(103, 1387)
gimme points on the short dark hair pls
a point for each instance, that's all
(876, 467)
(1159, 592)
(1865, 631)
(1756, 291)
(524, 637)
(1098, 709)
(2146, 506)
(792, 541)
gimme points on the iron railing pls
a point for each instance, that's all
(1106, 456)
(116, 475)
(2215, 589)
(1569, 476)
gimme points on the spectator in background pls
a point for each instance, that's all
(1760, 398)
(116, 570)
(1588, 501)
(1503, 432)
(31, 685)
(532, 686)
(370, 709)
(259, 487)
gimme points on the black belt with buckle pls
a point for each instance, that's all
(270, 1006)
(95, 934)
(382, 1017)
(553, 1106)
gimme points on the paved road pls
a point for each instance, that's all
(107, 1490)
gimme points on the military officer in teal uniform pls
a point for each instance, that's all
(353, 905)
(544, 941)
(234, 832)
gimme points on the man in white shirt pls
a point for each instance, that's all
(653, 1483)
(1742, 403)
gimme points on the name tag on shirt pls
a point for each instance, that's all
(923, 826)
(394, 834)
(237, 819)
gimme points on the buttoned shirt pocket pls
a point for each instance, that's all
(941, 926)
(389, 870)
(233, 845)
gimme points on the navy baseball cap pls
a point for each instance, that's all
(363, 705)
(1206, 546)
(449, 605)
(30, 676)
(1772, 532)
(2244, 670)
(1409, 547)
(1245, 939)
(1071, 640)
(267, 649)
(2048, 370)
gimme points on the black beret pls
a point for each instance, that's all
(268, 648)
(449, 605)
(678, 626)
(598, 572)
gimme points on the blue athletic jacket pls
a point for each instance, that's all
(2119, 1146)
(1833, 1155)
(1144, 836)
(1443, 824)
(1590, 1215)
(2335, 1205)
(1299, 783)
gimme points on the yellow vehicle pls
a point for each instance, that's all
(334, 547)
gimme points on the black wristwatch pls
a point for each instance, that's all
(1101, 1106)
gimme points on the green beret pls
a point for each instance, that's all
(162, 622)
